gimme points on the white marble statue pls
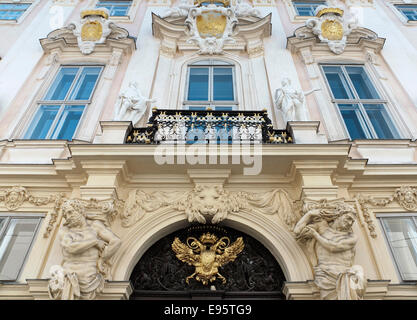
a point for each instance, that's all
(132, 105)
(87, 247)
(329, 226)
(291, 101)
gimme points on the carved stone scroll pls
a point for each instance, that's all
(406, 197)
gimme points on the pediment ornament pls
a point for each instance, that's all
(331, 27)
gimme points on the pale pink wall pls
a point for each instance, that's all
(9, 33)
(409, 31)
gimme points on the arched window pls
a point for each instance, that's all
(210, 84)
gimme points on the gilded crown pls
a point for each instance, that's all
(208, 238)
(199, 3)
(336, 11)
(102, 12)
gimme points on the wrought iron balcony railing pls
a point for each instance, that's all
(188, 126)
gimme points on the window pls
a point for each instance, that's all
(363, 111)
(63, 105)
(211, 84)
(409, 11)
(116, 8)
(16, 237)
(401, 234)
(12, 11)
(307, 8)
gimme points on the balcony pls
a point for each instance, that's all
(214, 127)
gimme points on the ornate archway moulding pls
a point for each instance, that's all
(186, 34)
(91, 33)
(208, 203)
(405, 196)
(270, 232)
(14, 198)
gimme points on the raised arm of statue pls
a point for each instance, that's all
(111, 240)
(334, 245)
(76, 246)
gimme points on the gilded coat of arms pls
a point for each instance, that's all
(207, 254)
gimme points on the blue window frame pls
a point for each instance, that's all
(116, 8)
(12, 11)
(61, 109)
(210, 83)
(409, 11)
(307, 8)
(361, 107)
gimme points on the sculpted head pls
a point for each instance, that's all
(74, 213)
(207, 198)
(345, 219)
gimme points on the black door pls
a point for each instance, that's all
(252, 274)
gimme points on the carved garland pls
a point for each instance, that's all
(406, 197)
(209, 203)
(14, 198)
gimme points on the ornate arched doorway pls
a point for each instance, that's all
(247, 270)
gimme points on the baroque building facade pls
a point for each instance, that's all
(156, 149)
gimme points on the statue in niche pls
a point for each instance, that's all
(291, 101)
(87, 246)
(132, 105)
(327, 227)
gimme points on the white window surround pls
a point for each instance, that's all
(365, 52)
(4, 229)
(381, 100)
(380, 217)
(211, 63)
(52, 80)
(391, 4)
(181, 81)
(61, 48)
(389, 105)
(22, 18)
(131, 14)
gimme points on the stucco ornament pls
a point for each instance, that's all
(326, 228)
(210, 27)
(407, 197)
(208, 203)
(331, 28)
(291, 101)
(131, 104)
(180, 11)
(88, 245)
(243, 9)
(93, 28)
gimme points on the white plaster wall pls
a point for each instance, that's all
(23, 56)
(399, 53)
(143, 64)
(278, 60)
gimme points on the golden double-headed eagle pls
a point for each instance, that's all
(207, 254)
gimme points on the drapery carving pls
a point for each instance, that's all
(209, 203)
(88, 245)
(326, 231)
